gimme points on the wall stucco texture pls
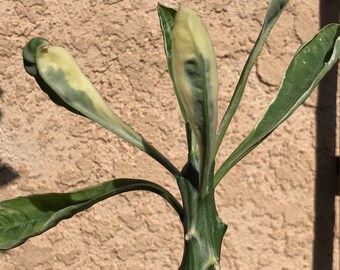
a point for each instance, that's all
(267, 199)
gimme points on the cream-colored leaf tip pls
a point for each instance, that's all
(190, 39)
(61, 72)
(190, 35)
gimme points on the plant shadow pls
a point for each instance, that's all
(327, 180)
(7, 174)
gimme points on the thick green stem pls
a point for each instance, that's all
(203, 229)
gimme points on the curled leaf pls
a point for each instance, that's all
(60, 71)
(25, 217)
(59, 75)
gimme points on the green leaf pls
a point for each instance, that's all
(273, 13)
(167, 20)
(309, 65)
(29, 54)
(25, 217)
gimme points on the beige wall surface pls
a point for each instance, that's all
(267, 199)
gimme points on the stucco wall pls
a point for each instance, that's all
(267, 199)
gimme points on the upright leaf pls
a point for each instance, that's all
(273, 13)
(309, 65)
(167, 21)
(25, 217)
(195, 76)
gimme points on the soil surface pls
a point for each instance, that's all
(268, 199)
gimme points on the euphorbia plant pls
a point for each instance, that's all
(193, 70)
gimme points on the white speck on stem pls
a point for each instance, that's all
(188, 236)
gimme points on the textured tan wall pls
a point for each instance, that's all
(267, 200)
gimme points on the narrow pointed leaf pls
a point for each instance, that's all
(309, 65)
(273, 13)
(167, 20)
(25, 217)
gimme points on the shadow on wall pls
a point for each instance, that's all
(327, 177)
(7, 173)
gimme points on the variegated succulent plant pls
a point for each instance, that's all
(193, 71)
